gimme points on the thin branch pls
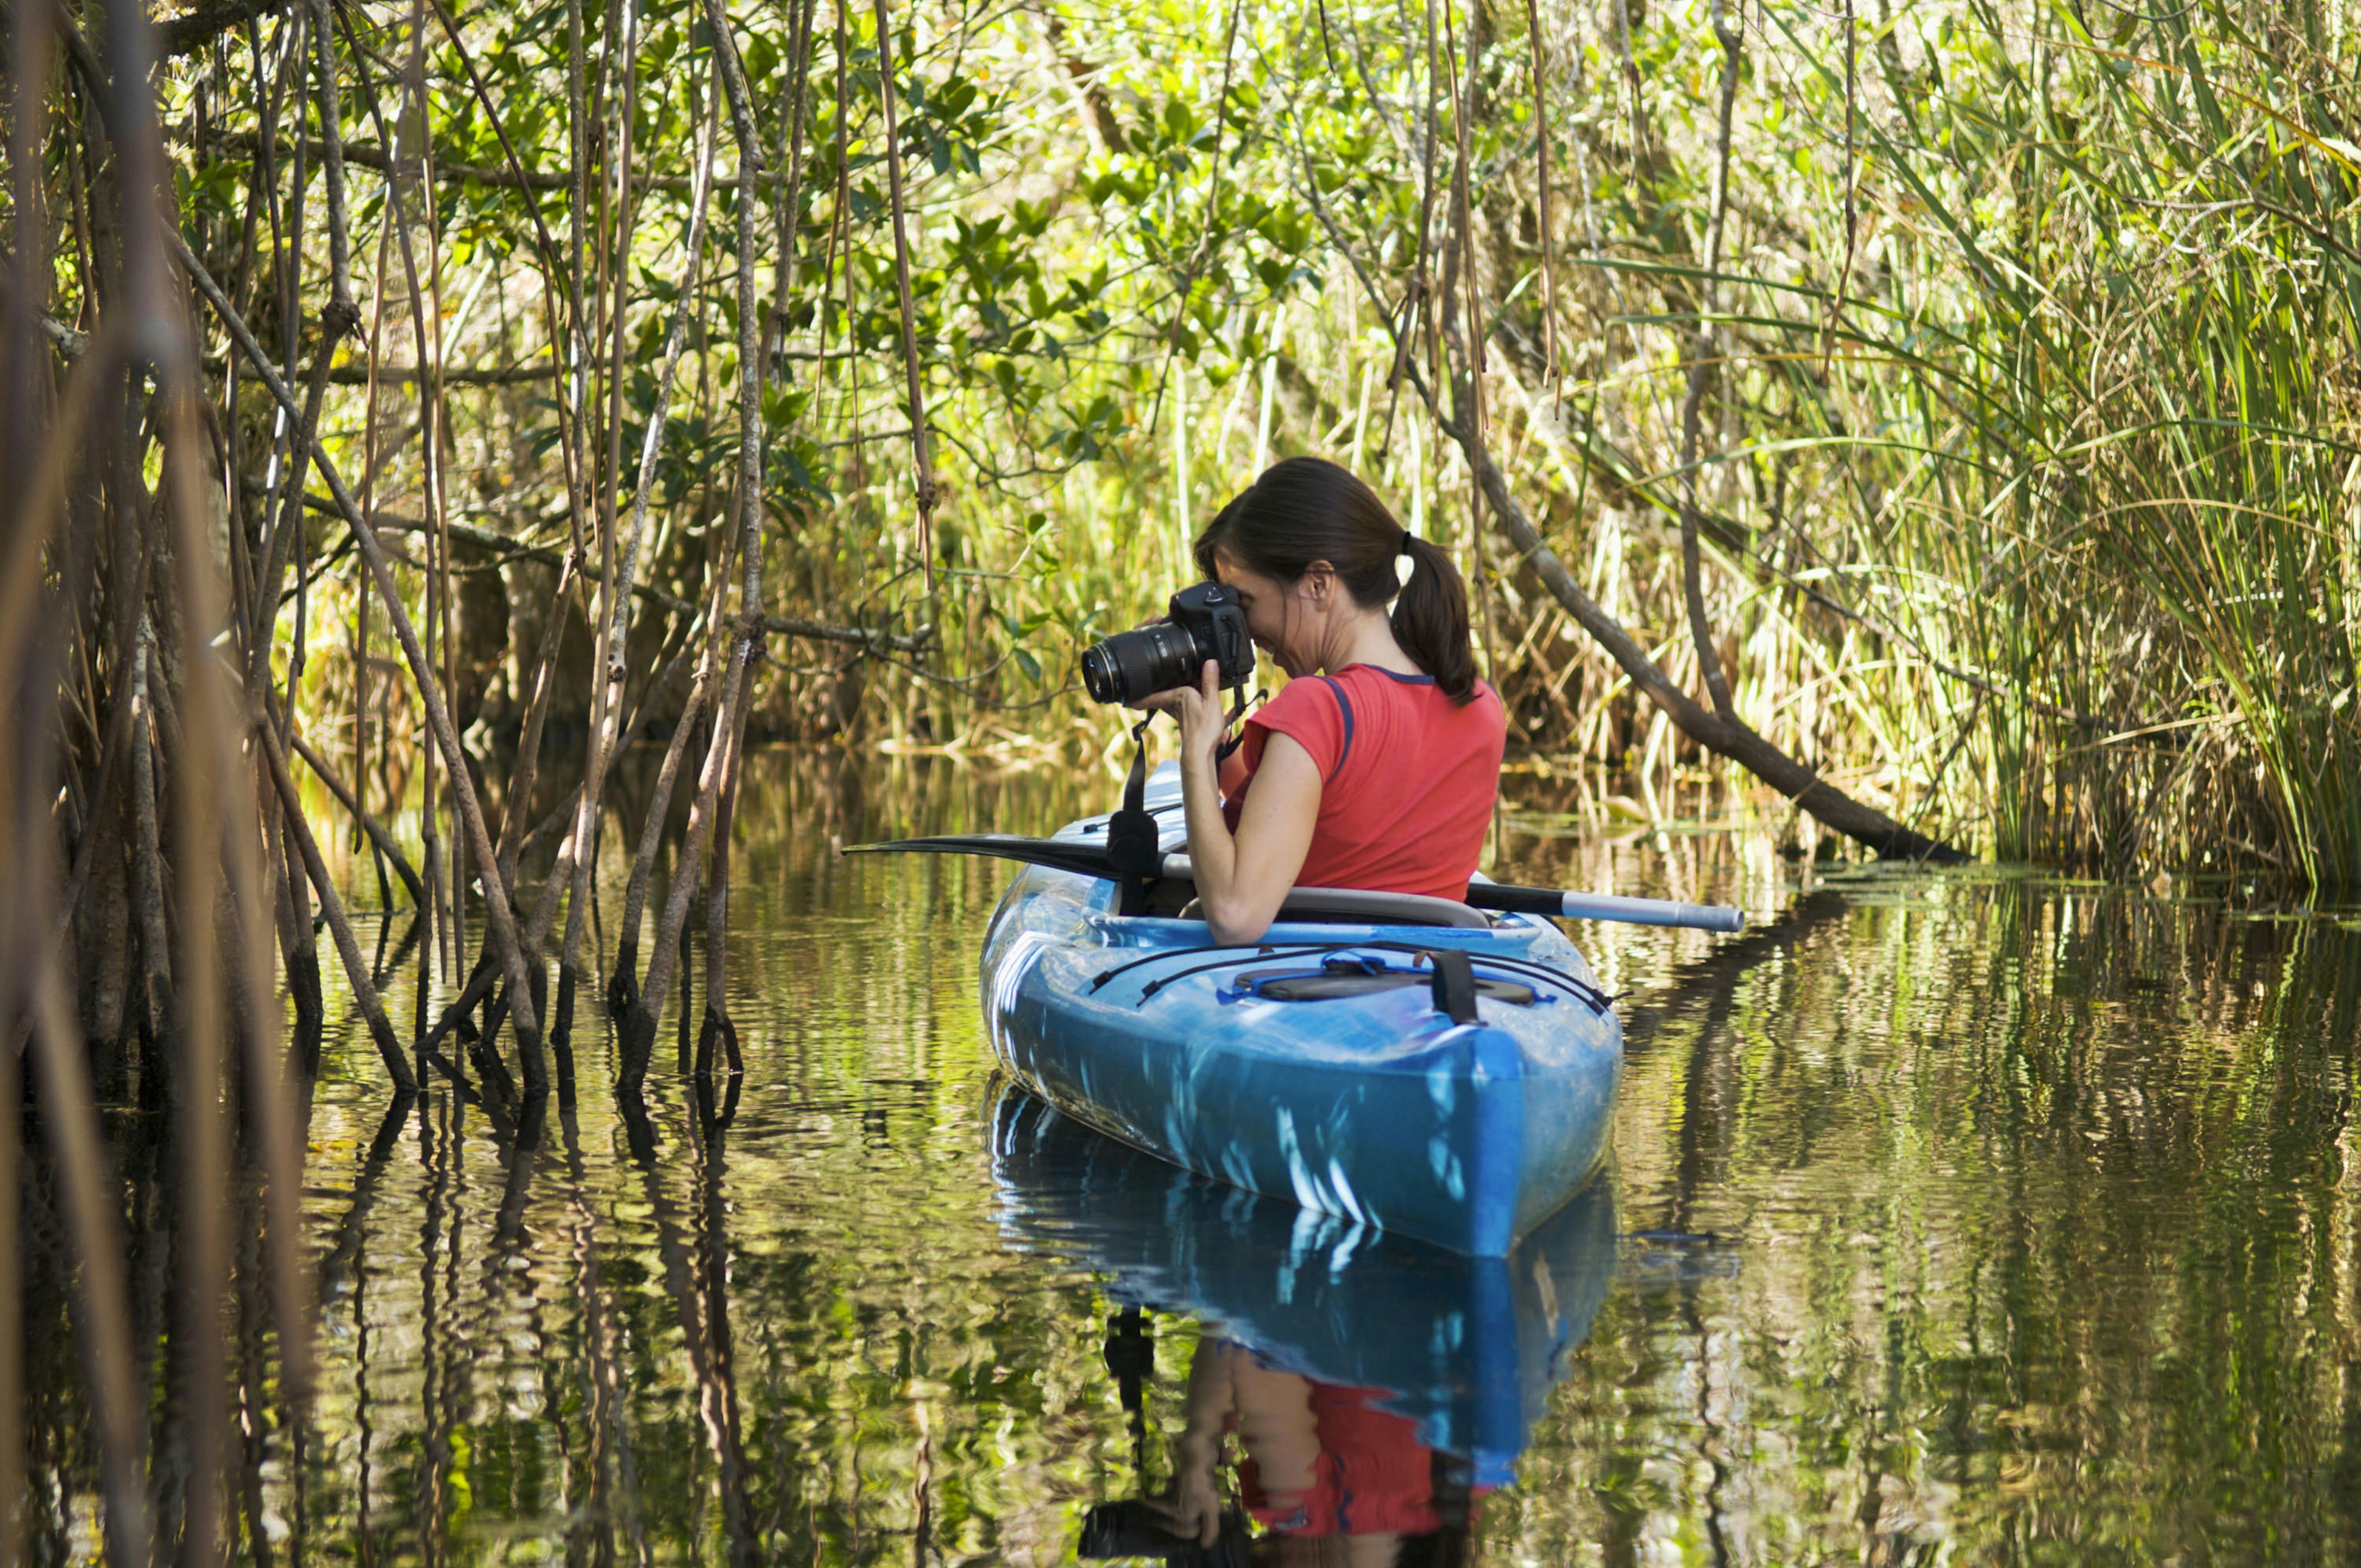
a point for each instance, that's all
(332, 907)
(1541, 178)
(518, 177)
(921, 450)
(1704, 360)
(340, 308)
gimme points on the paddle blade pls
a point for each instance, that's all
(1057, 854)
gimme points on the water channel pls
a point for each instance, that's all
(1982, 1216)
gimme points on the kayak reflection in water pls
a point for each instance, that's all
(1333, 1477)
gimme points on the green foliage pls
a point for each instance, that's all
(2029, 453)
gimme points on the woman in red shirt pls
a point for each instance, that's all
(1378, 764)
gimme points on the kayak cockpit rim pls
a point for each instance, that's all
(1422, 955)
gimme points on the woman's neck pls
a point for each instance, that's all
(1367, 638)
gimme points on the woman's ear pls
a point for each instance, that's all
(1319, 582)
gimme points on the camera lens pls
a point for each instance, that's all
(1099, 676)
(1135, 665)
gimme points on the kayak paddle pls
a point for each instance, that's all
(1091, 861)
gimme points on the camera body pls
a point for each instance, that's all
(1203, 622)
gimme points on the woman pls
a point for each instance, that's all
(1378, 764)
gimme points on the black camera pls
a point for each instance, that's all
(1203, 622)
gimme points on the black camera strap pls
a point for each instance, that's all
(1135, 847)
(1239, 706)
(1133, 839)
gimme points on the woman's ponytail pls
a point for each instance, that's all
(1307, 510)
(1429, 619)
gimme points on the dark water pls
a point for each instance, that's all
(1977, 1216)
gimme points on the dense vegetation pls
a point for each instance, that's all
(1994, 365)
(1945, 415)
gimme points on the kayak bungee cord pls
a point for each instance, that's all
(1597, 1000)
(1307, 949)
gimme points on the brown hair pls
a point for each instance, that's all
(1303, 509)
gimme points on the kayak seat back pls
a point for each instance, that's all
(1329, 984)
(1359, 906)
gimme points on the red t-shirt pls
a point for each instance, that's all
(1408, 777)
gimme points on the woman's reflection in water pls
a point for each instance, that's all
(1336, 1480)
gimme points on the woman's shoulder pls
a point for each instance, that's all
(1314, 712)
(1342, 701)
(1374, 683)
(1303, 697)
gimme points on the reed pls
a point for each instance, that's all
(2131, 334)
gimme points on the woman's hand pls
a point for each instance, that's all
(1199, 709)
(1192, 1509)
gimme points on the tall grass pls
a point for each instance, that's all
(2036, 431)
(2141, 412)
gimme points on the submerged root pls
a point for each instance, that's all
(636, 1035)
(311, 1010)
(560, 1033)
(483, 1050)
(717, 1029)
(623, 989)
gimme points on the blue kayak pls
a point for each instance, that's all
(1404, 1064)
(1466, 1348)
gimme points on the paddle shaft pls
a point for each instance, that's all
(1604, 906)
(1511, 900)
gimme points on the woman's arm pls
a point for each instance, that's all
(1195, 1508)
(1243, 878)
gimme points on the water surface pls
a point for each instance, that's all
(1978, 1216)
